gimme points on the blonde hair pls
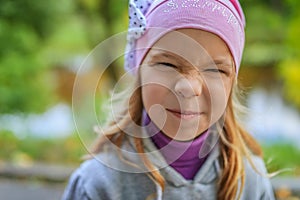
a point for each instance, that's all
(235, 145)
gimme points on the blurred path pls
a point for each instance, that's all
(12, 189)
(30, 182)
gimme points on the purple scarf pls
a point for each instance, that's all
(182, 156)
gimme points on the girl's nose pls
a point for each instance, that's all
(188, 87)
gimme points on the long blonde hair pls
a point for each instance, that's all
(235, 145)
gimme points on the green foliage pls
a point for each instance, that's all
(22, 151)
(290, 73)
(282, 157)
(66, 42)
(24, 77)
(41, 17)
(264, 36)
(36, 35)
(289, 68)
(102, 18)
(272, 40)
(22, 84)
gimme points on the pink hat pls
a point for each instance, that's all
(150, 20)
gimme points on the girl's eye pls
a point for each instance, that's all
(166, 64)
(216, 70)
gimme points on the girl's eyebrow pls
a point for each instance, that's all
(216, 61)
(164, 54)
(170, 55)
(222, 61)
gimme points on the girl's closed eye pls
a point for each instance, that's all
(216, 70)
(163, 60)
(166, 64)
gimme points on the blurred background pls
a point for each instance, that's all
(43, 44)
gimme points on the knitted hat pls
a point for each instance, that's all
(151, 19)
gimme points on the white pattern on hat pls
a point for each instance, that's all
(137, 27)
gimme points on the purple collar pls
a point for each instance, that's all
(182, 156)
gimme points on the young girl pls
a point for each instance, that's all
(177, 136)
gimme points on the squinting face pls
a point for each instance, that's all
(186, 81)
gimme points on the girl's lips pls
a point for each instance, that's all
(184, 114)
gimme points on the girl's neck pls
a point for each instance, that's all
(183, 156)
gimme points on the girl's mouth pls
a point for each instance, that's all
(184, 114)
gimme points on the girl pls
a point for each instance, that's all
(177, 136)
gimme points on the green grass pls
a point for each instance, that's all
(282, 156)
(22, 151)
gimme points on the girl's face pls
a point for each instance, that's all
(186, 80)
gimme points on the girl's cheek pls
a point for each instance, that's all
(218, 95)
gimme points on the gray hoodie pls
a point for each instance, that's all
(107, 177)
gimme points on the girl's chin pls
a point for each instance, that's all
(184, 134)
